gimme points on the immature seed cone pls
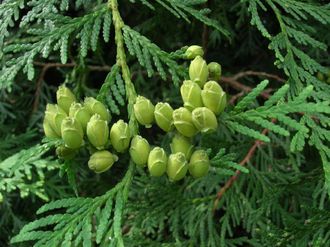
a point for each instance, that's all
(164, 116)
(214, 97)
(49, 131)
(120, 136)
(198, 71)
(157, 162)
(81, 113)
(54, 116)
(101, 161)
(96, 107)
(65, 153)
(72, 133)
(191, 95)
(214, 71)
(177, 166)
(144, 111)
(182, 144)
(199, 164)
(97, 132)
(65, 98)
(139, 150)
(204, 119)
(194, 51)
(182, 119)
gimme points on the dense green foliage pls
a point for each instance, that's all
(269, 184)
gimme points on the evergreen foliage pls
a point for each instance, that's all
(19, 168)
(269, 181)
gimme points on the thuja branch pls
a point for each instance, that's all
(123, 187)
(131, 97)
(121, 61)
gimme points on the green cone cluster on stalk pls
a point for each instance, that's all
(86, 124)
(203, 100)
(182, 159)
(81, 124)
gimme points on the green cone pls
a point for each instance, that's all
(49, 131)
(157, 162)
(97, 132)
(204, 119)
(177, 166)
(191, 95)
(81, 113)
(54, 116)
(72, 133)
(96, 107)
(65, 98)
(198, 71)
(144, 111)
(182, 120)
(199, 164)
(101, 161)
(120, 136)
(182, 144)
(194, 51)
(65, 153)
(214, 97)
(214, 71)
(164, 116)
(139, 150)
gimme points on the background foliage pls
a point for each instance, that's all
(269, 193)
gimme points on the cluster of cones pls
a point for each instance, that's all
(87, 124)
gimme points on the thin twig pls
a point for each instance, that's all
(50, 65)
(38, 88)
(241, 87)
(59, 65)
(234, 83)
(205, 38)
(257, 73)
(235, 97)
(205, 34)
